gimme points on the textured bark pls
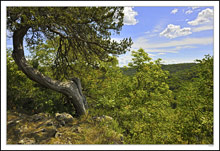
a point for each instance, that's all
(72, 89)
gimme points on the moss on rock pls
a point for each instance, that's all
(60, 128)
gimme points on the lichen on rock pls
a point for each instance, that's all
(64, 118)
(61, 128)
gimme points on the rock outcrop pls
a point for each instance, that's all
(62, 128)
(64, 118)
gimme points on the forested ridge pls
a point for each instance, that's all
(172, 68)
(143, 103)
(145, 109)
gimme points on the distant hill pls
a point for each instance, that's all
(128, 71)
(172, 68)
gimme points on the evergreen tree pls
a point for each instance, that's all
(79, 31)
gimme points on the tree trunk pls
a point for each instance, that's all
(72, 89)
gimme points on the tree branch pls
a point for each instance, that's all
(67, 88)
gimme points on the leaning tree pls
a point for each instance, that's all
(84, 31)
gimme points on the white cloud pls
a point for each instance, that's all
(151, 55)
(129, 16)
(172, 46)
(189, 11)
(186, 41)
(172, 49)
(139, 41)
(152, 35)
(202, 28)
(174, 11)
(158, 27)
(161, 53)
(125, 59)
(194, 7)
(205, 16)
(173, 31)
(175, 61)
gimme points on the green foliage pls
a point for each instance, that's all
(148, 104)
(195, 105)
(142, 105)
(139, 103)
(195, 114)
(147, 110)
(84, 130)
(27, 96)
(74, 32)
(180, 73)
(173, 68)
(60, 42)
(128, 71)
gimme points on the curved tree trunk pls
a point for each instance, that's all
(72, 89)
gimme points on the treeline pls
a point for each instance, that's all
(172, 68)
(150, 103)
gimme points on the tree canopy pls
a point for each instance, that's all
(78, 32)
(150, 105)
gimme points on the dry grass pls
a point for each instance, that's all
(85, 130)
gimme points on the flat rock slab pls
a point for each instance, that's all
(33, 129)
(60, 128)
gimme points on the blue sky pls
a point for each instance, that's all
(149, 19)
(174, 34)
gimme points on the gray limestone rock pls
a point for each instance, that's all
(64, 118)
